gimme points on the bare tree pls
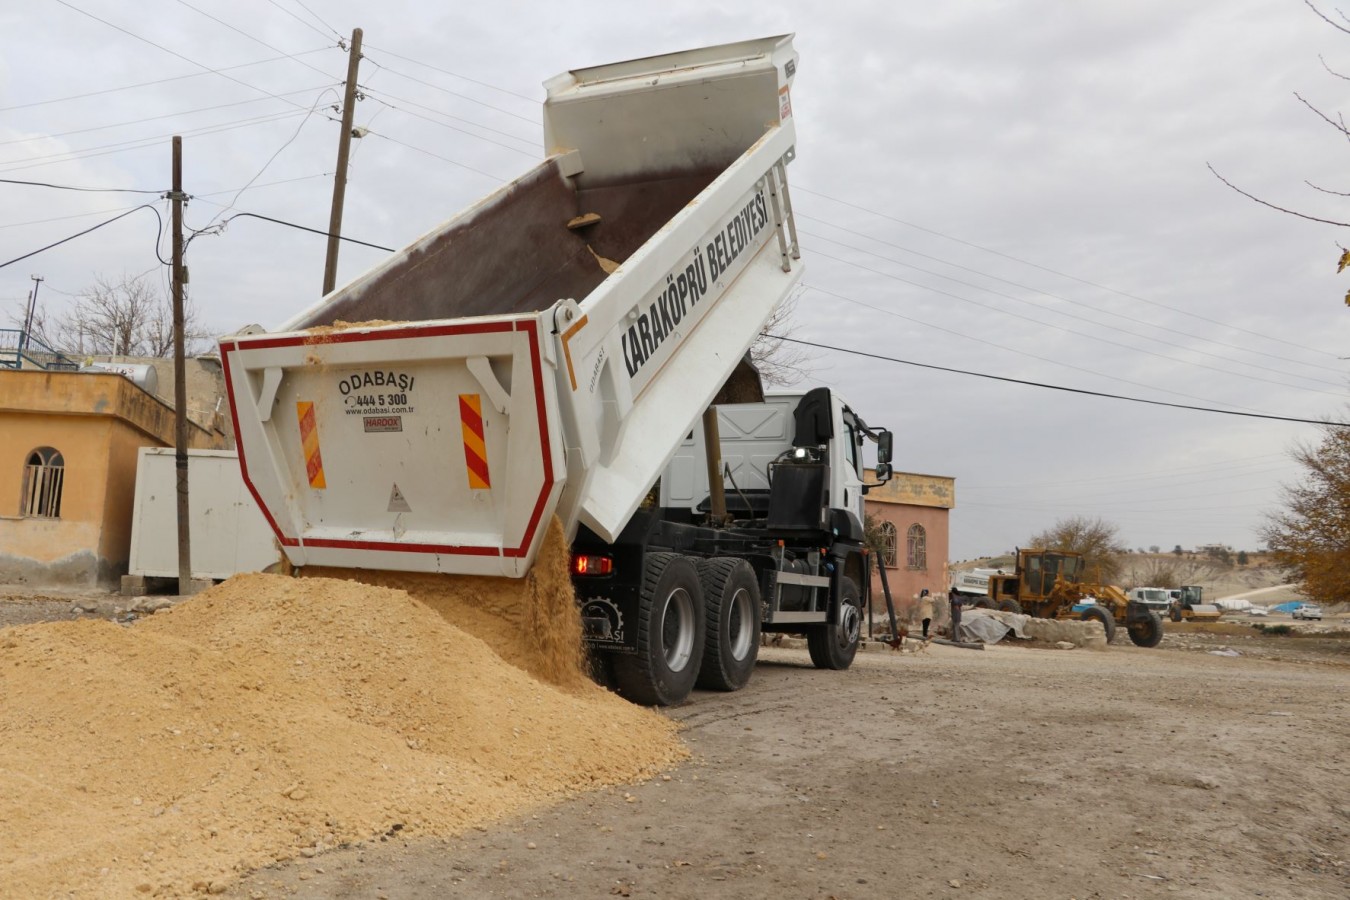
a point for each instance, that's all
(130, 317)
(1097, 539)
(780, 362)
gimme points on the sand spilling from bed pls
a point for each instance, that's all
(272, 717)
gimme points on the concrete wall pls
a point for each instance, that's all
(97, 422)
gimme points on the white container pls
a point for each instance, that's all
(228, 534)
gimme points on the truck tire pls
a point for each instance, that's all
(1175, 613)
(670, 634)
(983, 603)
(1097, 614)
(732, 620)
(834, 646)
(1011, 606)
(1146, 631)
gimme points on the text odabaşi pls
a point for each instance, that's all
(684, 289)
(376, 391)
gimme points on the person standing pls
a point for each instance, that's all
(925, 610)
(955, 599)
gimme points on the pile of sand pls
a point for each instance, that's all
(272, 717)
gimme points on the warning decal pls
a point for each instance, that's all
(475, 445)
(309, 440)
(397, 502)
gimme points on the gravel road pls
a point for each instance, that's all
(1009, 772)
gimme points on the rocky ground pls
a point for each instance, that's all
(1014, 771)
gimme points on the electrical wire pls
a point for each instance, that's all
(67, 187)
(1063, 328)
(1058, 387)
(129, 87)
(1060, 297)
(1044, 359)
(175, 53)
(1102, 287)
(318, 19)
(464, 97)
(94, 228)
(219, 228)
(534, 154)
(310, 26)
(140, 143)
(453, 162)
(186, 112)
(254, 38)
(451, 74)
(270, 159)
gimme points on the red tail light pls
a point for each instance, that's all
(591, 565)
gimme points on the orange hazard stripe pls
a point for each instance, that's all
(475, 446)
(309, 441)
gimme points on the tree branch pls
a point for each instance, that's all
(1272, 205)
(1323, 16)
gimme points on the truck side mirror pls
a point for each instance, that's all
(883, 450)
(883, 473)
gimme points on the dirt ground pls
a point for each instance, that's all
(1008, 772)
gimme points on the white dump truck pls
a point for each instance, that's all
(548, 351)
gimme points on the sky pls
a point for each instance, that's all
(1019, 189)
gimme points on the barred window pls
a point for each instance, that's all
(43, 477)
(917, 547)
(889, 541)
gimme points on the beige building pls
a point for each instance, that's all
(913, 514)
(68, 445)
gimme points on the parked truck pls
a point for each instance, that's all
(551, 350)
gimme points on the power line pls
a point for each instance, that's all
(454, 75)
(318, 19)
(94, 228)
(1057, 387)
(67, 187)
(1033, 265)
(978, 340)
(254, 38)
(186, 112)
(248, 215)
(139, 143)
(310, 26)
(1065, 329)
(129, 87)
(219, 72)
(453, 162)
(374, 96)
(1060, 297)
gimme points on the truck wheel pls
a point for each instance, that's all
(834, 646)
(1147, 631)
(1011, 606)
(669, 634)
(1096, 613)
(731, 596)
(983, 603)
(1176, 613)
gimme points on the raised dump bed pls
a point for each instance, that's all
(545, 351)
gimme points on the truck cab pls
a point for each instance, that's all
(1154, 598)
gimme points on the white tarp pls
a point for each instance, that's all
(990, 627)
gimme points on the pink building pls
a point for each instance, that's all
(912, 511)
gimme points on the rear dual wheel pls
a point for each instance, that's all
(670, 634)
(731, 594)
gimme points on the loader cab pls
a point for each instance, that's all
(1040, 569)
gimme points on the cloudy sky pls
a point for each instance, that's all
(1016, 188)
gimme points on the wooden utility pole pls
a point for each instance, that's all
(340, 176)
(180, 423)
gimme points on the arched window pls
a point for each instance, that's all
(889, 540)
(917, 547)
(44, 474)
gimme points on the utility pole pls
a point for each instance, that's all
(24, 339)
(340, 176)
(180, 429)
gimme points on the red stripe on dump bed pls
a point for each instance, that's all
(531, 330)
